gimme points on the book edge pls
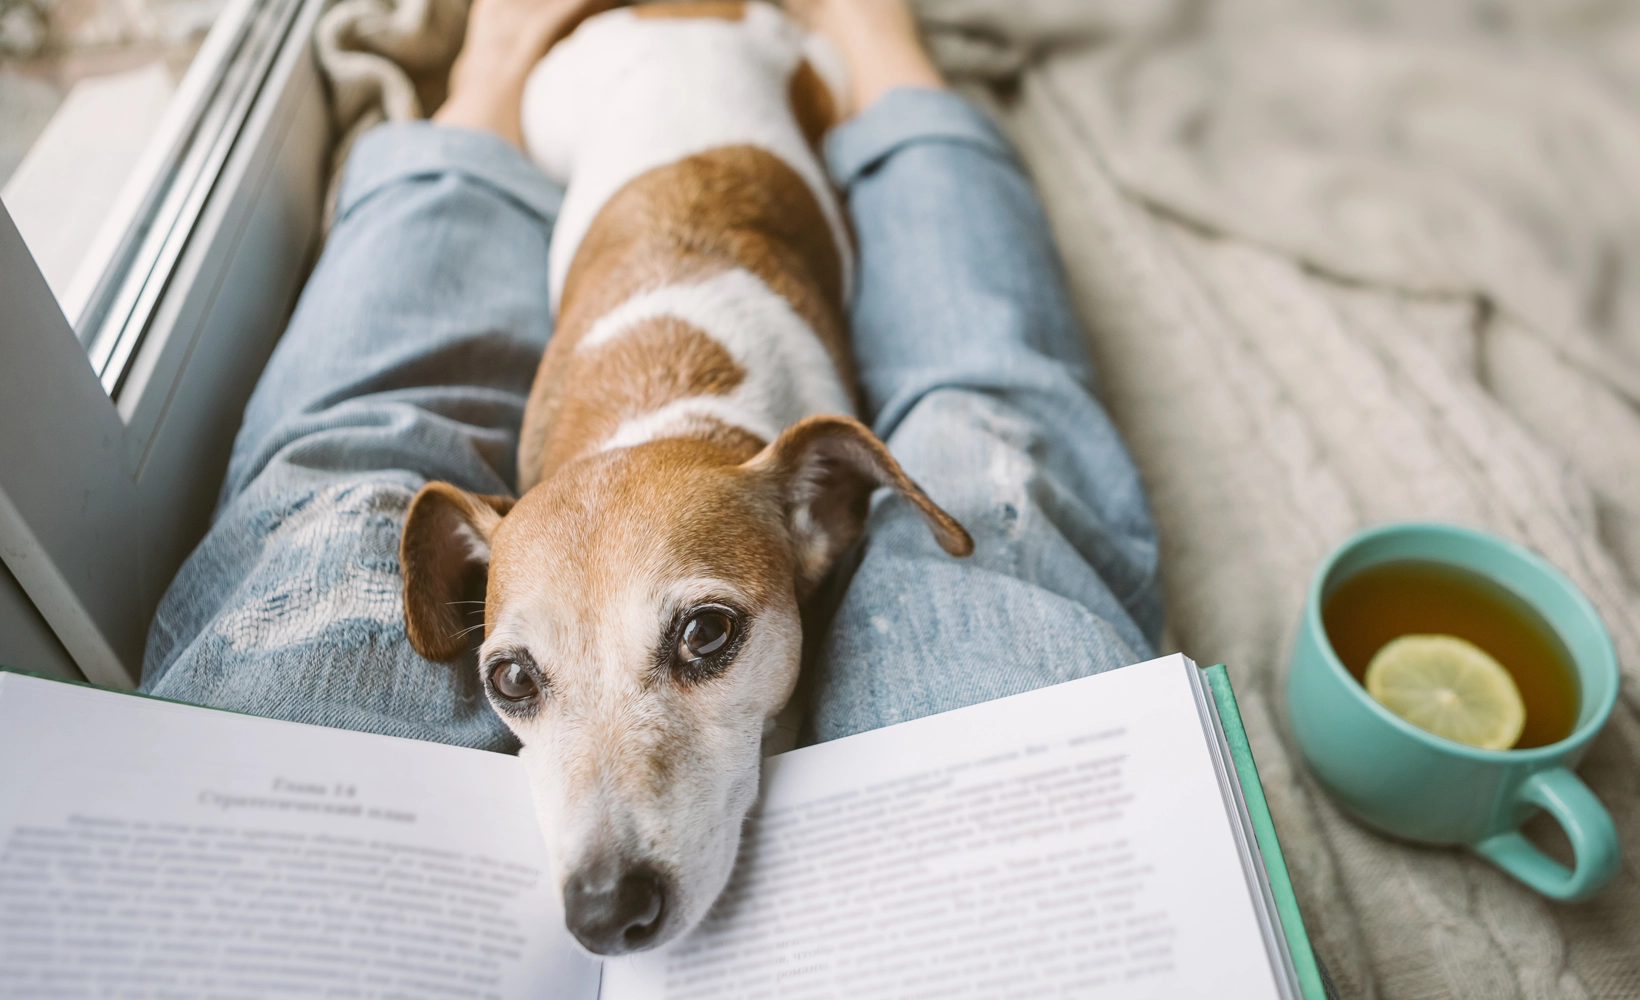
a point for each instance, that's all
(160, 699)
(1258, 810)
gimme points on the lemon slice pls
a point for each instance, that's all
(1449, 687)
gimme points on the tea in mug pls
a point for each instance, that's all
(1415, 597)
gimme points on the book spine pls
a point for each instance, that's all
(1281, 886)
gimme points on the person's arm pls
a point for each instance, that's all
(974, 371)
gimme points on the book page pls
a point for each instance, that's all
(155, 849)
(1071, 841)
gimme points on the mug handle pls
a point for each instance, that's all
(1587, 824)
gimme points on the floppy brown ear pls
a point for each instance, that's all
(445, 558)
(828, 467)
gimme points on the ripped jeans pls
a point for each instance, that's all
(410, 356)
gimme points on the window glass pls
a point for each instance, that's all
(84, 88)
(118, 119)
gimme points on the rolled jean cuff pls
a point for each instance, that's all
(401, 151)
(901, 117)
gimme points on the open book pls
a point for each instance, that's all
(1106, 837)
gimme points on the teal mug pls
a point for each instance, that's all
(1415, 785)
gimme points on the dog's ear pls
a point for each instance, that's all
(827, 468)
(445, 558)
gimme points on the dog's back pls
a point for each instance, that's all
(700, 261)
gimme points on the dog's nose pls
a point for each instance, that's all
(614, 907)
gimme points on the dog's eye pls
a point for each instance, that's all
(702, 642)
(705, 633)
(513, 682)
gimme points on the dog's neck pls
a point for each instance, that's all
(700, 260)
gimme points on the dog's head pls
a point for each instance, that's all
(641, 624)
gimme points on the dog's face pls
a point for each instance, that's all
(641, 625)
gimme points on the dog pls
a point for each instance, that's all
(689, 467)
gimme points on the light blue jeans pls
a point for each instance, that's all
(410, 356)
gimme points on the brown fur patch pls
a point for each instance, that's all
(727, 10)
(734, 206)
(736, 443)
(649, 364)
(685, 506)
(813, 104)
(830, 465)
(440, 569)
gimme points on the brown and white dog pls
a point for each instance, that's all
(688, 467)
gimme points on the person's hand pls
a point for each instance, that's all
(505, 39)
(878, 40)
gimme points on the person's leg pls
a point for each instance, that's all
(409, 358)
(974, 372)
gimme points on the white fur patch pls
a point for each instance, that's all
(623, 95)
(789, 375)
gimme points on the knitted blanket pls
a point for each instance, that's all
(1339, 264)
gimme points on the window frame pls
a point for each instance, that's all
(219, 91)
(109, 476)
